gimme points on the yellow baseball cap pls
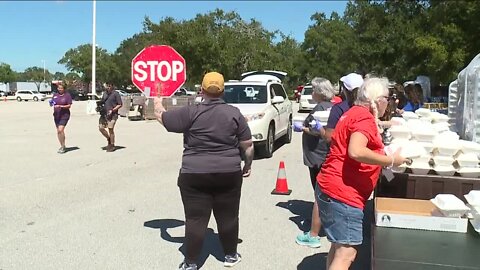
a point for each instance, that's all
(213, 83)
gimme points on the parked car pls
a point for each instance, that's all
(185, 92)
(78, 95)
(122, 93)
(262, 100)
(97, 96)
(306, 100)
(29, 95)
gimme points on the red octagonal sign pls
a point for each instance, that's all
(158, 65)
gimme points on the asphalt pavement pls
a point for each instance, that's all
(89, 209)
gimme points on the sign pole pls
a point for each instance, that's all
(92, 103)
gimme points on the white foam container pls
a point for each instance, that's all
(298, 119)
(399, 169)
(446, 146)
(420, 168)
(450, 205)
(443, 160)
(445, 170)
(398, 133)
(469, 147)
(423, 112)
(439, 117)
(428, 146)
(469, 172)
(475, 224)
(423, 159)
(473, 197)
(398, 121)
(410, 115)
(469, 160)
(321, 116)
(425, 135)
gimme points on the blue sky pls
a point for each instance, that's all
(44, 30)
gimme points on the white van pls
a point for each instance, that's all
(29, 95)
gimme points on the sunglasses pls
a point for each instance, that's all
(390, 98)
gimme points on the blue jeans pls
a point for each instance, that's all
(342, 223)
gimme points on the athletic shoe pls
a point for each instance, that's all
(305, 239)
(187, 266)
(61, 150)
(232, 260)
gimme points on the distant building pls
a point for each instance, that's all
(11, 88)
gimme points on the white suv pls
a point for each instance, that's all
(261, 98)
(29, 95)
(307, 103)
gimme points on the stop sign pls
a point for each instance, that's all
(158, 65)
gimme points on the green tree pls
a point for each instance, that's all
(79, 60)
(59, 76)
(330, 48)
(37, 75)
(6, 73)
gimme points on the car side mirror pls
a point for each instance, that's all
(277, 99)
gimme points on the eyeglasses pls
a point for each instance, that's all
(390, 98)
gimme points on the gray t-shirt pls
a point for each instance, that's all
(211, 131)
(315, 149)
(111, 100)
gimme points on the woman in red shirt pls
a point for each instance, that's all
(351, 170)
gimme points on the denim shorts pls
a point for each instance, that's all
(342, 223)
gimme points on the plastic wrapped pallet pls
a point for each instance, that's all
(467, 101)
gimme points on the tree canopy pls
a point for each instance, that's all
(393, 38)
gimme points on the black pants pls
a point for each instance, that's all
(203, 192)
(313, 174)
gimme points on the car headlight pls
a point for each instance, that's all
(253, 117)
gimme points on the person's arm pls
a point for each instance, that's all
(358, 150)
(247, 148)
(63, 106)
(159, 109)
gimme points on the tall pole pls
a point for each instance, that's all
(43, 70)
(94, 47)
(92, 104)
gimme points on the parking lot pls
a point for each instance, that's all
(89, 209)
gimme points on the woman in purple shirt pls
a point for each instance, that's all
(61, 102)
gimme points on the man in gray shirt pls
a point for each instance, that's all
(111, 101)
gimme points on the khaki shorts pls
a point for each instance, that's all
(104, 123)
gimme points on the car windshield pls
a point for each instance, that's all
(236, 94)
(307, 91)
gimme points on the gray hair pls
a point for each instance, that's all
(370, 91)
(323, 88)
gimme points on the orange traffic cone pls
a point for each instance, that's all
(281, 187)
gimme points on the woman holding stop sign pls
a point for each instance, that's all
(211, 174)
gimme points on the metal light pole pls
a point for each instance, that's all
(94, 47)
(43, 70)
(92, 104)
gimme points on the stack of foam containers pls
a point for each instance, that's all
(468, 159)
(447, 147)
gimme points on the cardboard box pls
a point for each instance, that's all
(415, 214)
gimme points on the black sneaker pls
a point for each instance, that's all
(232, 260)
(110, 148)
(187, 266)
